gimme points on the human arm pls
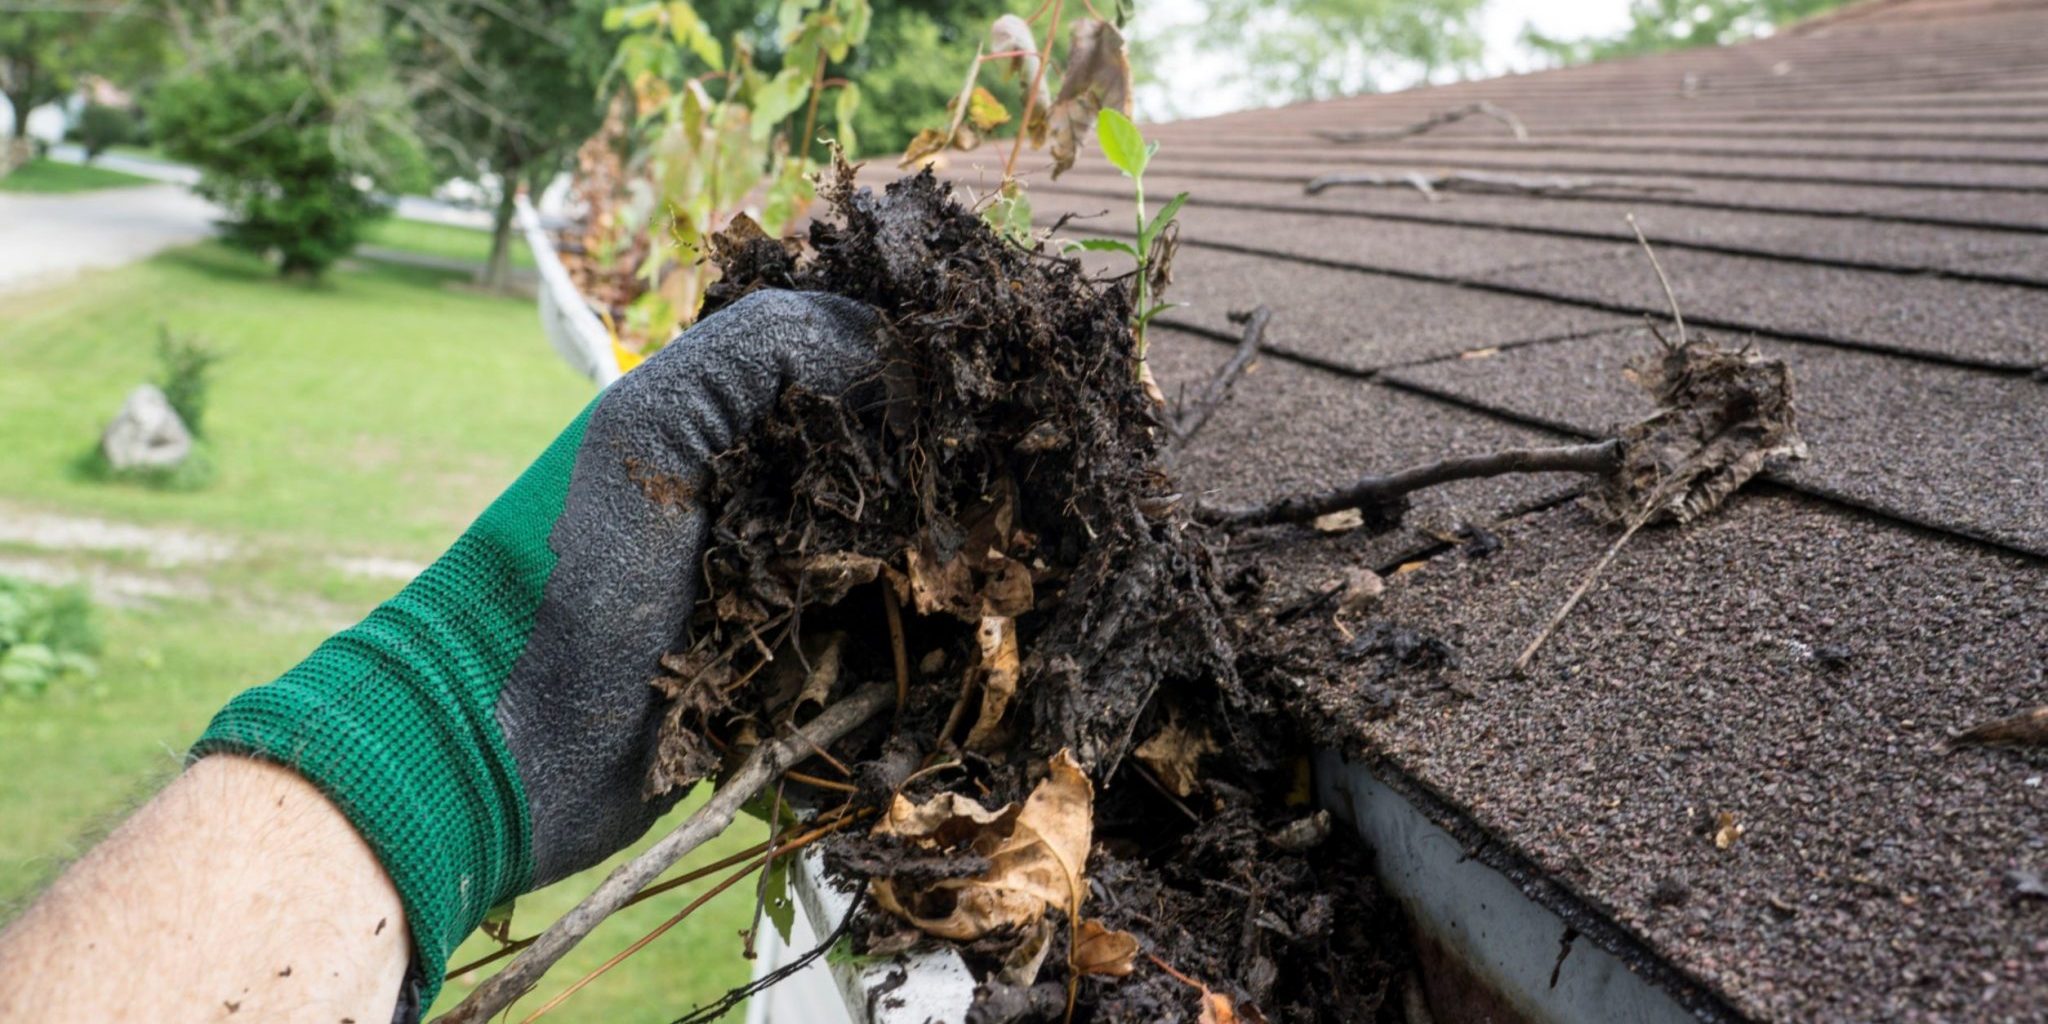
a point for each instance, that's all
(239, 892)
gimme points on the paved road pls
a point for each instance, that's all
(44, 238)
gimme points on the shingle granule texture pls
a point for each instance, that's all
(1865, 196)
(1795, 668)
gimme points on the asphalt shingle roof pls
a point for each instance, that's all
(1865, 195)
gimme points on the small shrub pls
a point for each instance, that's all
(47, 635)
(188, 364)
(101, 127)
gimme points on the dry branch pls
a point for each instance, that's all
(762, 766)
(1213, 396)
(1430, 124)
(1429, 184)
(1383, 492)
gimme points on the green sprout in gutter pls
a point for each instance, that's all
(1128, 151)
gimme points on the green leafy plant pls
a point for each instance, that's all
(101, 127)
(47, 636)
(1126, 150)
(188, 369)
(690, 163)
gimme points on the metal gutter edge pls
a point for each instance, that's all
(914, 988)
(1489, 950)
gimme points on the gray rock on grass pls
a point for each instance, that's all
(146, 433)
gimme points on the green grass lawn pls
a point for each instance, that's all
(47, 176)
(372, 415)
(444, 240)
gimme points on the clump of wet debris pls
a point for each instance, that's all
(1091, 785)
(1079, 790)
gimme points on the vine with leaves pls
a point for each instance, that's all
(701, 139)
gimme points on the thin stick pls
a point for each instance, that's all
(1669, 296)
(1196, 416)
(761, 887)
(641, 943)
(1596, 457)
(895, 615)
(1585, 584)
(1432, 123)
(760, 767)
(1052, 30)
(1429, 184)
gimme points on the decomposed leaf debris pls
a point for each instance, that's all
(1101, 950)
(1036, 855)
(1098, 77)
(1727, 831)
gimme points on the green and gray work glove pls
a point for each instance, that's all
(488, 729)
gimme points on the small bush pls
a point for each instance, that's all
(101, 128)
(188, 363)
(47, 635)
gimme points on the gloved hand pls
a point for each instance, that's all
(487, 730)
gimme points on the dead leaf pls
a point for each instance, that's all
(826, 578)
(1098, 75)
(1340, 521)
(1726, 830)
(1099, 950)
(928, 143)
(1012, 34)
(1363, 588)
(937, 586)
(1007, 588)
(997, 674)
(984, 111)
(1722, 416)
(2026, 729)
(1217, 1008)
(1175, 753)
(1022, 963)
(824, 673)
(1036, 857)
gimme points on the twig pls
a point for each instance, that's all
(733, 998)
(1432, 123)
(1195, 417)
(1379, 491)
(761, 886)
(760, 767)
(1669, 296)
(1429, 184)
(1585, 584)
(641, 943)
(891, 608)
(1052, 31)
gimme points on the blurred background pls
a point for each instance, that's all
(268, 329)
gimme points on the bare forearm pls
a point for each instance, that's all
(238, 893)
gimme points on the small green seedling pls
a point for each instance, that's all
(1128, 151)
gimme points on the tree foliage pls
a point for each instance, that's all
(44, 50)
(1286, 50)
(1657, 25)
(295, 120)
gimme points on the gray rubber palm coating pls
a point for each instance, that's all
(577, 711)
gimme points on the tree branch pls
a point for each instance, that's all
(1195, 417)
(760, 767)
(1432, 123)
(1482, 182)
(1382, 491)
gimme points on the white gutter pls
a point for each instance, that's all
(572, 328)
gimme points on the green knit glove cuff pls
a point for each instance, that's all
(394, 720)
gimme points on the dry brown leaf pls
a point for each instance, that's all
(1218, 1008)
(1007, 589)
(1175, 753)
(1726, 830)
(1340, 521)
(1099, 950)
(997, 674)
(937, 586)
(928, 143)
(827, 577)
(1098, 76)
(824, 673)
(1036, 856)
